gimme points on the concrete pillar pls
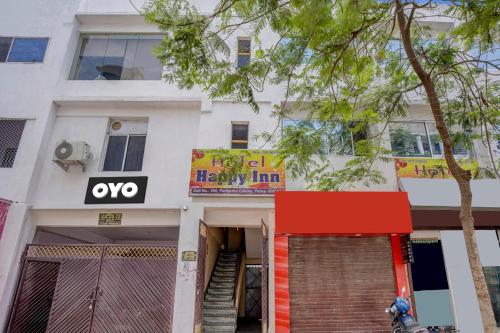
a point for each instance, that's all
(18, 231)
(185, 286)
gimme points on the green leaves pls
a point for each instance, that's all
(338, 62)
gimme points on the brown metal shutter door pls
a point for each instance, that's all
(35, 297)
(340, 284)
(136, 290)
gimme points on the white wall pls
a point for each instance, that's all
(467, 314)
(171, 135)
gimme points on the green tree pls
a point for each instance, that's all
(336, 60)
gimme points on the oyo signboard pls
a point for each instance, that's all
(116, 190)
(261, 174)
(432, 168)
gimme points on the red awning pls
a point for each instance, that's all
(342, 213)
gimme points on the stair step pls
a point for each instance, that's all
(219, 329)
(228, 258)
(216, 292)
(227, 261)
(218, 305)
(226, 264)
(218, 298)
(225, 269)
(215, 284)
(215, 312)
(224, 274)
(223, 320)
(223, 279)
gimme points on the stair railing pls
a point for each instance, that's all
(240, 269)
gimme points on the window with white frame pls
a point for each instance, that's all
(11, 131)
(117, 57)
(22, 49)
(125, 145)
(335, 137)
(420, 139)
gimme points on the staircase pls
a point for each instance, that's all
(219, 311)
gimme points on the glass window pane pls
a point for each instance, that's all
(135, 153)
(140, 63)
(409, 139)
(459, 147)
(243, 60)
(337, 139)
(492, 276)
(28, 49)
(114, 153)
(244, 46)
(4, 47)
(239, 145)
(91, 55)
(111, 68)
(240, 132)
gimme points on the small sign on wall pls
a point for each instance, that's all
(110, 219)
(189, 255)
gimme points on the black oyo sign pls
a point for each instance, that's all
(116, 190)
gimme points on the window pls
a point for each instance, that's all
(431, 291)
(13, 49)
(492, 276)
(487, 57)
(10, 134)
(335, 137)
(125, 145)
(244, 51)
(496, 141)
(239, 136)
(420, 139)
(118, 57)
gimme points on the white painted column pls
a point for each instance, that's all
(18, 231)
(467, 314)
(185, 285)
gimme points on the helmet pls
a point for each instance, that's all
(402, 305)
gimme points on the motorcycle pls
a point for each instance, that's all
(402, 321)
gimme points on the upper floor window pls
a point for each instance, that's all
(244, 52)
(335, 137)
(420, 139)
(125, 144)
(10, 135)
(17, 49)
(117, 57)
(239, 136)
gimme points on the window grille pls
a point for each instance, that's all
(10, 134)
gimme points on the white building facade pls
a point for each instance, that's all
(133, 126)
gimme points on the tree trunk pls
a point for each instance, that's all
(462, 176)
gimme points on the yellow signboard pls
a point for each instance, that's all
(261, 173)
(430, 167)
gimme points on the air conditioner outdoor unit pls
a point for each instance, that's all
(71, 153)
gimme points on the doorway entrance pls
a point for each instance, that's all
(235, 280)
